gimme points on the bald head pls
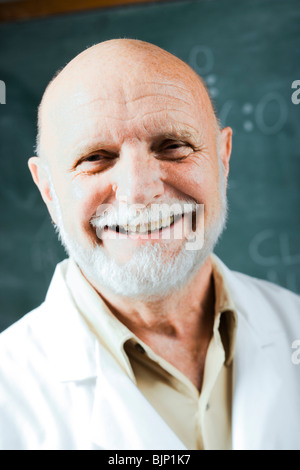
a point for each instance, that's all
(116, 67)
(127, 122)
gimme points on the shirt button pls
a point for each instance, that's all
(139, 348)
(207, 406)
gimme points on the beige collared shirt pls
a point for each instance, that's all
(200, 420)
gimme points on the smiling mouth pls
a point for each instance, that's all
(149, 228)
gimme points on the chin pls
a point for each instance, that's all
(153, 271)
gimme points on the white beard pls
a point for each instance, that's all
(151, 272)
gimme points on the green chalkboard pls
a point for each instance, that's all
(248, 53)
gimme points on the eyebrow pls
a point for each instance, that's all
(175, 134)
(180, 134)
(87, 148)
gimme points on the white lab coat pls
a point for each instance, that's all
(60, 389)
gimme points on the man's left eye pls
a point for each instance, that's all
(174, 145)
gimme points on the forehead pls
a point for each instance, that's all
(115, 110)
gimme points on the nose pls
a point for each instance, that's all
(137, 176)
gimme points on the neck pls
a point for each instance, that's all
(178, 326)
(167, 315)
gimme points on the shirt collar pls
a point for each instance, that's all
(225, 311)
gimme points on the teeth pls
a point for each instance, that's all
(168, 221)
(144, 228)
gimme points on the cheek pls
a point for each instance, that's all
(200, 182)
(194, 181)
(82, 197)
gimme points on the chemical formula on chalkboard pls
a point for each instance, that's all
(251, 115)
(280, 259)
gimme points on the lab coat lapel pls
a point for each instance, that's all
(256, 390)
(262, 370)
(71, 346)
(122, 417)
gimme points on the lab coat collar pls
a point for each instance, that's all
(248, 304)
(70, 344)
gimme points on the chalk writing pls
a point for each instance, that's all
(280, 261)
(268, 115)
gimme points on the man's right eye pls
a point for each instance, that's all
(99, 157)
(95, 161)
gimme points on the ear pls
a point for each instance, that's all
(225, 147)
(41, 178)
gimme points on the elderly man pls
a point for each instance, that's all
(146, 340)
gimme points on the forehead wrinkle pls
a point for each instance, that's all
(129, 101)
(129, 92)
(114, 118)
(164, 85)
(128, 115)
(169, 83)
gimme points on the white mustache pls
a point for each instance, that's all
(138, 214)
